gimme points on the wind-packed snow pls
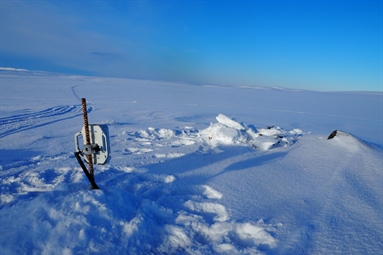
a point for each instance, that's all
(193, 169)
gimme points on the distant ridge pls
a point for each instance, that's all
(13, 69)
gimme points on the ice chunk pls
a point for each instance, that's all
(229, 122)
(218, 133)
(264, 142)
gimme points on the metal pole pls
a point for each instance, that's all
(91, 180)
(87, 136)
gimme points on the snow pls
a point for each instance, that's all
(224, 120)
(12, 69)
(193, 169)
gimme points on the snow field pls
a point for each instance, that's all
(190, 173)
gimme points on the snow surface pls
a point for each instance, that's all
(193, 169)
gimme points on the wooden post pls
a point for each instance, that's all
(87, 139)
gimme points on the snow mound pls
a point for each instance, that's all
(230, 132)
(220, 134)
(346, 141)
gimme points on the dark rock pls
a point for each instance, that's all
(332, 135)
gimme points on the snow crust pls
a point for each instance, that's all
(246, 171)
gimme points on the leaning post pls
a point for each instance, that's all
(95, 148)
(87, 136)
(90, 175)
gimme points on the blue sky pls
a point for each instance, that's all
(318, 45)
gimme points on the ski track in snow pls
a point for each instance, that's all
(21, 122)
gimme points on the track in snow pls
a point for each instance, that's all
(21, 122)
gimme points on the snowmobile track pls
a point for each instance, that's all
(21, 122)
